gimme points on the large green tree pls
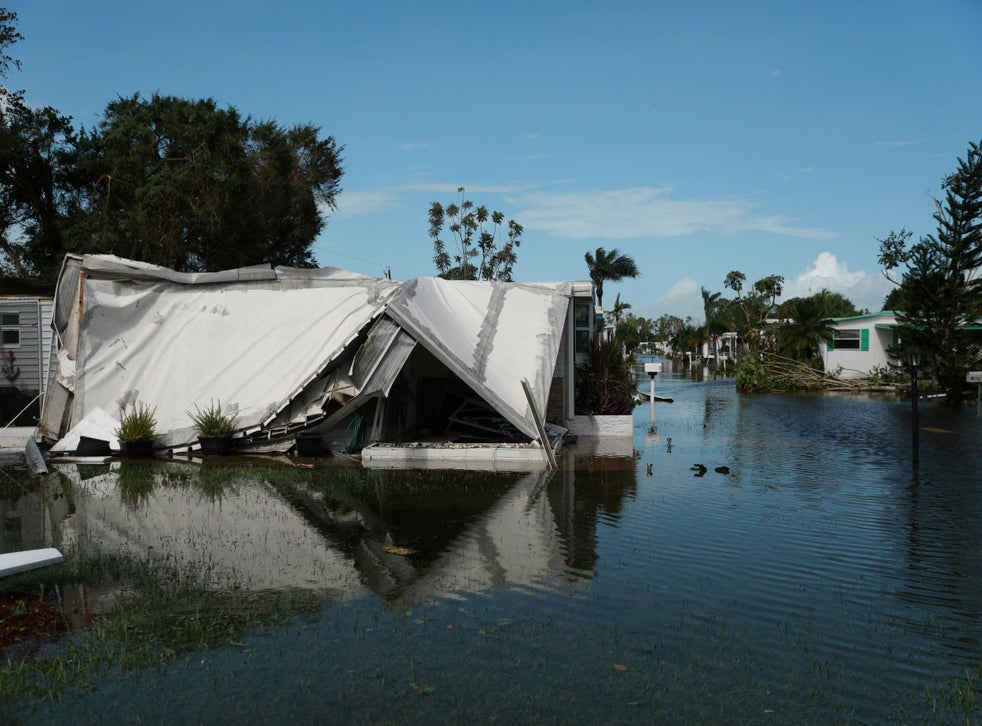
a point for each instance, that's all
(35, 167)
(940, 281)
(666, 326)
(805, 321)
(36, 183)
(166, 180)
(476, 233)
(189, 185)
(752, 309)
(610, 265)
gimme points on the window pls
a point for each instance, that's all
(854, 339)
(581, 324)
(9, 329)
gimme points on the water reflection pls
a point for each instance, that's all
(805, 568)
(345, 532)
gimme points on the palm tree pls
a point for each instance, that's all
(710, 302)
(799, 336)
(611, 266)
(619, 309)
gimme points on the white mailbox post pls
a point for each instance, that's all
(976, 377)
(652, 369)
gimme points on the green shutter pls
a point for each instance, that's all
(864, 339)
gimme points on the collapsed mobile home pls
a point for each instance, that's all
(399, 371)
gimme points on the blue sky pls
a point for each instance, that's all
(771, 137)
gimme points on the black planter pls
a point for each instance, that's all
(215, 445)
(88, 446)
(310, 445)
(136, 449)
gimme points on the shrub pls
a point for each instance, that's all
(605, 382)
(137, 424)
(213, 421)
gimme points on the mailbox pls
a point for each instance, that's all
(654, 368)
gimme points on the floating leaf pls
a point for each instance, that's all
(401, 551)
(620, 667)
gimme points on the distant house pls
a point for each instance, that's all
(861, 344)
(25, 349)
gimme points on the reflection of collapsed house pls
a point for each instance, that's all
(398, 370)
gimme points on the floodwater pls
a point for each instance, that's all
(754, 559)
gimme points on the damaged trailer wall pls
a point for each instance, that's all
(269, 343)
(253, 345)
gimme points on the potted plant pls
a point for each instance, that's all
(215, 426)
(137, 427)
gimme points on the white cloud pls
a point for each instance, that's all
(684, 299)
(414, 145)
(647, 212)
(356, 203)
(865, 290)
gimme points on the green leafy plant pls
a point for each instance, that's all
(605, 381)
(752, 376)
(213, 421)
(139, 423)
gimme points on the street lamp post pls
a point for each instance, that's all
(913, 362)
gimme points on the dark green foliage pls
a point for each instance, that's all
(805, 321)
(687, 338)
(192, 186)
(36, 182)
(711, 305)
(605, 383)
(8, 36)
(752, 376)
(475, 232)
(666, 326)
(749, 313)
(35, 147)
(941, 290)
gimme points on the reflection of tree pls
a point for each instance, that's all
(944, 557)
(136, 483)
(582, 496)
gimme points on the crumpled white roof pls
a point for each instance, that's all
(491, 334)
(255, 338)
